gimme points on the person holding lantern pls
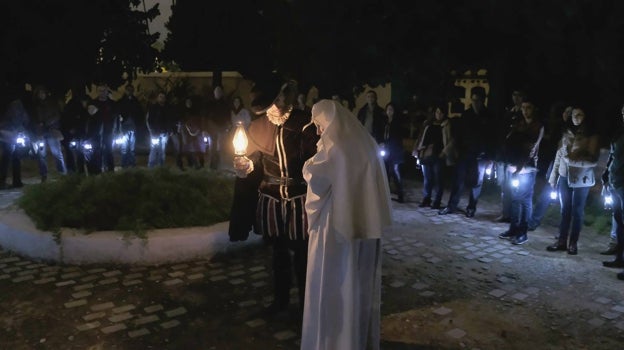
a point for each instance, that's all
(573, 176)
(520, 153)
(280, 145)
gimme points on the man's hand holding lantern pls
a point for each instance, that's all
(243, 166)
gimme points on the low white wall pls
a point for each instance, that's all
(19, 234)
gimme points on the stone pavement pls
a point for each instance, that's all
(448, 282)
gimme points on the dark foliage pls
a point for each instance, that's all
(133, 200)
(74, 42)
(555, 50)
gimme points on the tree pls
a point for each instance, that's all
(73, 42)
(219, 36)
(555, 50)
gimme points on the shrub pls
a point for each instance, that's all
(133, 200)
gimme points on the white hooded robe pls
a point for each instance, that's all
(348, 208)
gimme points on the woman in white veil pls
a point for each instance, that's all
(348, 208)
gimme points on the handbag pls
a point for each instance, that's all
(580, 177)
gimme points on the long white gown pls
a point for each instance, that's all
(348, 207)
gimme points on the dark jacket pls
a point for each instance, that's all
(74, 120)
(392, 138)
(218, 116)
(475, 135)
(503, 126)
(278, 154)
(15, 119)
(102, 123)
(46, 118)
(379, 120)
(159, 119)
(293, 147)
(131, 111)
(615, 164)
(522, 144)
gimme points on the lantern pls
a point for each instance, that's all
(240, 140)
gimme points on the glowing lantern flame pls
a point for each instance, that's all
(240, 140)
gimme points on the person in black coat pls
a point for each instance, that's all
(14, 122)
(475, 144)
(130, 111)
(391, 143)
(372, 116)
(73, 125)
(100, 130)
(160, 124)
(280, 142)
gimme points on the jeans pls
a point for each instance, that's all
(127, 150)
(55, 150)
(572, 210)
(157, 151)
(9, 156)
(521, 202)
(613, 233)
(432, 180)
(108, 158)
(461, 171)
(543, 201)
(394, 174)
(503, 181)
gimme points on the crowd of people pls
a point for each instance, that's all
(85, 135)
(523, 151)
(344, 211)
(315, 182)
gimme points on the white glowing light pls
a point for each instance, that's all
(21, 141)
(155, 141)
(608, 200)
(120, 140)
(488, 171)
(87, 146)
(382, 153)
(553, 195)
(515, 183)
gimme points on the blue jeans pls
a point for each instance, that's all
(572, 210)
(543, 201)
(57, 153)
(127, 150)
(503, 181)
(521, 202)
(157, 151)
(432, 180)
(613, 233)
(462, 168)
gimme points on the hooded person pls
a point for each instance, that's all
(348, 209)
(280, 145)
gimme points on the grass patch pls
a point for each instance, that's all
(133, 201)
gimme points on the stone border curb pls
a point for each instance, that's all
(19, 234)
